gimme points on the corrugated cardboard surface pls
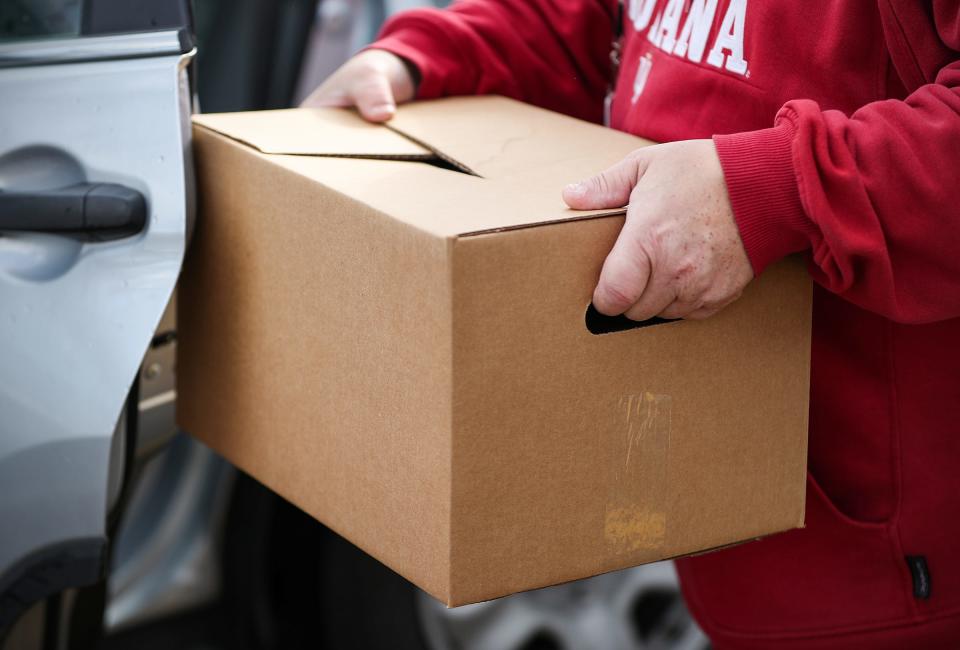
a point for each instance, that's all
(302, 363)
(314, 133)
(400, 350)
(442, 202)
(594, 453)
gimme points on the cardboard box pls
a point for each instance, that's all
(386, 326)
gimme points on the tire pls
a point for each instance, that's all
(290, 583)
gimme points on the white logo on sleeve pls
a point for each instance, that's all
(682, 29)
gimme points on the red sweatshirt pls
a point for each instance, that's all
(838, 127)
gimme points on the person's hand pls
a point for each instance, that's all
(679, 254)
(374, 81)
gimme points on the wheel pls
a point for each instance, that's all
(290, 584)
(635, 609)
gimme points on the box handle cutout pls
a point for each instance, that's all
(598, 323)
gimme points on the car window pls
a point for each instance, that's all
(23, 19)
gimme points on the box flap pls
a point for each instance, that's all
(313, 132)
(501, 138)
(446, 203)
(518, 157)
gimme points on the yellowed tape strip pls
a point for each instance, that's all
(638, 455)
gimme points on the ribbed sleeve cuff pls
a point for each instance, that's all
(414, 46)
(758, 169)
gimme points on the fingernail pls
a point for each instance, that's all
(378, 113)
(576, 189)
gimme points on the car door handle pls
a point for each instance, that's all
(87, 211)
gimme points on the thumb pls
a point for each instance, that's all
(608, 189)
(373, 97)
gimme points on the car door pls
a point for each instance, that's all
(95, 208)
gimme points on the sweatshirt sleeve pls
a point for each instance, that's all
(552, 53)
(874, 196)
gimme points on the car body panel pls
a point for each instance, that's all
(76, 317)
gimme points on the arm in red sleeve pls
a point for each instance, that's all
(875, 196)
(555, 54)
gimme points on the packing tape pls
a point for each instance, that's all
(635, 519)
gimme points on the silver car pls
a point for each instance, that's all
(116, 530)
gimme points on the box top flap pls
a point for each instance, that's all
(313, 132)
(500, 138)
(518, 157)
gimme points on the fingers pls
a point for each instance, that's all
(646, 276)
(373, 97)
(679, 253)
(625, 272)
(657, 296)
(370, 92)
(322, 97)
(709, 307)
(608, 189)
(372, 81)
(698, 308)
(627, 268)
(681, 308)
(701, 314)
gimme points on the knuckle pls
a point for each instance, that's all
(600, 184)
(693, 296)
(701, 314)
(711, 305)
(675, 307)
(640, 314)
(617, 295)
(673, 312)
(637, 155)
(680, 309)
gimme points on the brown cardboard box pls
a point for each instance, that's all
(400, 349)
